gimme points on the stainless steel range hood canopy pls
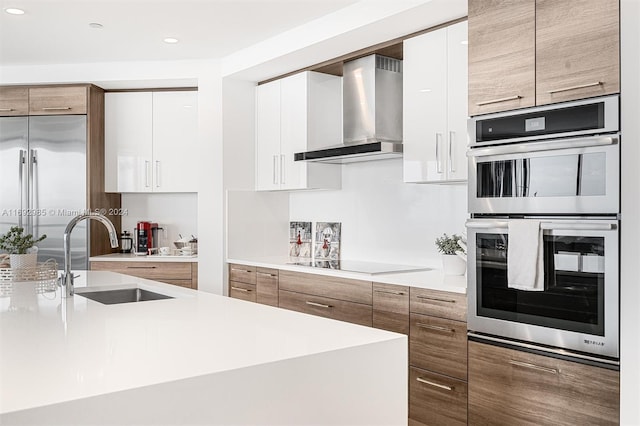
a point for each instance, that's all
(372, 113)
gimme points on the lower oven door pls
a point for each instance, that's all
(578, 308)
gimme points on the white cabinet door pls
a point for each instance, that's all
(268, 136)
(293, 130)
(128, 142)
(457, 67)
(424, 107)
(435, 106)
(175, 141)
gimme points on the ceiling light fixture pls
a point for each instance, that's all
(170, 40)
(96, 25)
(464, 42)
(14, 11)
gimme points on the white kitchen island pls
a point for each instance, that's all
(198, 358)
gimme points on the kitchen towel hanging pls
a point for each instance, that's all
(525, 261)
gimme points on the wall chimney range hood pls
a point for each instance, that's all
(371, 111)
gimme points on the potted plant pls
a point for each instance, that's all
(20, 247)
(452, 264)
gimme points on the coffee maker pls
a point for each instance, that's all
(146, 237)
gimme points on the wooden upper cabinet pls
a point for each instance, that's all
(61, 100)
(577, 49)
(14, 101)
(501, 55)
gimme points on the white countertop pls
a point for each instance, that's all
(129, 257)
(56, 350)
(433, 278)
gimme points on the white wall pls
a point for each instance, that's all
(176, 213)
(630, 222)
(384, 219)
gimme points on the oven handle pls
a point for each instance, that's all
(569, 226)
(522, 148)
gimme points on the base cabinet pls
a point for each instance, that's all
(435, 399)
(183, 274)
(508, 387)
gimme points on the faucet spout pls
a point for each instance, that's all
(66, 279)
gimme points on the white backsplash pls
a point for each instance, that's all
(178, 213)
(384, 219)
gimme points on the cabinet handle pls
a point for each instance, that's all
(533, 366)
(275, 168)
(435, 299)
(495, 101)
(141, 267)
(452, 167)
(248, 271)
(320, 305)
(580, 86)
(56, 108)
(240, 289)
(438, 164)
(157, 174)
(397, 293)
(282, 174)
(147, 172)
(434, 384)
(435, 327)
(264, 274)
(7, 109)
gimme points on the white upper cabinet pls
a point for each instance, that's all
(435, 106)
(295, 114)
(151, 140)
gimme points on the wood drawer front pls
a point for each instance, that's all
(321, 285)
(242, 273)
(438, 303)
(194, 276)
(577, 47)
(435, 399)
(151, 270)
(181, 283)
(356, 313)
(14, 101)
(391, 298)
(267, 286)
(438, 345)
(509, 387)
(57, 100)
(391, 321)
(243, 291)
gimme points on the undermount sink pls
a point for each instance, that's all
(125, 295)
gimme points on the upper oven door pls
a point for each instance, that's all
(561, 176)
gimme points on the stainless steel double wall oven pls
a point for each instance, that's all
(559, 164)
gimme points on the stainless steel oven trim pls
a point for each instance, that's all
(611, 120)
(605, 204)
(543, 335)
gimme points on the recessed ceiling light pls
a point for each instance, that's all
(170, 40)
(95, 25)
(14, 11)
(424, 90)
(464, 42)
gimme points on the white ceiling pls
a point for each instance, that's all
(58, 32)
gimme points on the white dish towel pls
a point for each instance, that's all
(525, 256)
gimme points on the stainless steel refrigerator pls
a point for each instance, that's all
(43, 181)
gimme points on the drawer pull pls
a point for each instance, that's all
(435, 327)
(319, 305)
(436, 299)
(495, 101)
(533, 366)
(580, 86)
(241, 289)
(141, 267)
(7, 109)
(247, 271)
(56, 108)
(434, 384)
(264, 274)
(397, 293)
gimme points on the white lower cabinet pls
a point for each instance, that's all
(151, 141)
(435, 106)
(295, 114)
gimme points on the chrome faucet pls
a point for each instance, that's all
(66, 279)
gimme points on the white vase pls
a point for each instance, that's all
(453, 265)
(21, 261)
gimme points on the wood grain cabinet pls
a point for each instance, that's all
(267, 286)
(242, 282)
(176, 273)
(14, 101)
(534, 52)
(61, 100)
(508, 387)
(437, 357)
(391, 307)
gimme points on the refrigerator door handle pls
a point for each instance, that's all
(21, 161)
(33, 196)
